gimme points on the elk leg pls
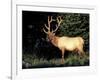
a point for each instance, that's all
(62, 55)
(81, 53)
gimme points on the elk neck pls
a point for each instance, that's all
(54, 40)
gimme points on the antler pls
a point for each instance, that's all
(48, 27)
(49, 21)
(59, 20)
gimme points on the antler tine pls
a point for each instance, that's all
(46, 27)
(45, 31)
(59, 20)
(49, 21)
(55, 29)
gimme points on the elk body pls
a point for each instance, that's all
(64, 42)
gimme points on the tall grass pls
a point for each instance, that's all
(30, 61)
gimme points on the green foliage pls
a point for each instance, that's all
(74, 24)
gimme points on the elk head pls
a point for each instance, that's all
(48, 28)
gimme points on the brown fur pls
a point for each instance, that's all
(55, 41)
(79, 48)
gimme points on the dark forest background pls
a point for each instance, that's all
(39, 53)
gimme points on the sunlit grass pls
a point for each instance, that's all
(71, 60)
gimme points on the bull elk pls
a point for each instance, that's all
(64, 42)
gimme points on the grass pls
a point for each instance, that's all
(30, 61)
